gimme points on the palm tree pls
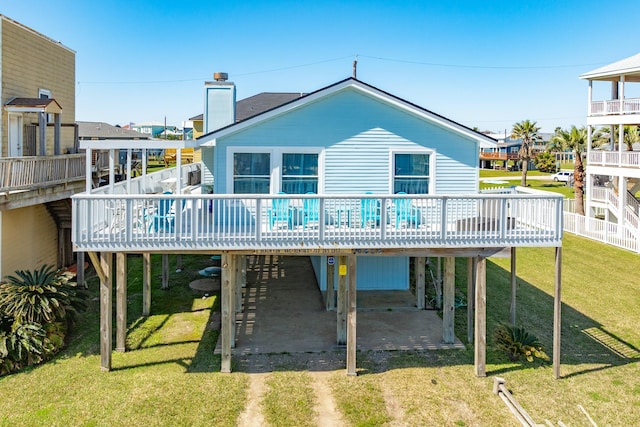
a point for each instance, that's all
(631, 135)
(574, 139)
(527, 131)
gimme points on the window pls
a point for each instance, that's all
(299, 173)
(411, 173)
(251, 173)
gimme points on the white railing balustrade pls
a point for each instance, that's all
(164, 222)
(615, 106)
(615, 158)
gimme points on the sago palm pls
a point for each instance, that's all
(527, 132)
(40, 296)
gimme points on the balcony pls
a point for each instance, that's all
(615, 107)
(31, 173)
(629, 159)
(313, 223)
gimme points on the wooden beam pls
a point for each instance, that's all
(121, 301)
(480, 339)
(165, 271)
(419, 271)
(179, 263)
(233, 265)
(341, 311)
(557, 314)
(512, 307)
(330, 301)
(227, 311)
(471, 291)
(97, 265)
(449, 301)
(146, 284)
(106, 310)
(351, 315)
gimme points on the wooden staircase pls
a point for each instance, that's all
(60, 211)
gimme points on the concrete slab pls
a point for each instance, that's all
(284, 313)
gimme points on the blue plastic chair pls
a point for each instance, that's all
(370, 211)
(310, 211)
(406, 212)
(163, 218)
(279, 212)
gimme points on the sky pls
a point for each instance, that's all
(485, 64)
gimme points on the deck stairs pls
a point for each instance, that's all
(632, 208)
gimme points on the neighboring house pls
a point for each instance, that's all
(38, 140)
(613, 171)
(504, 154)
(321, 175)
(105, 131)
(101, 130)
(153, 129)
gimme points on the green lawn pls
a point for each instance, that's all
(170, 376)
(546, 185)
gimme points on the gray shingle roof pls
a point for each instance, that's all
(256, 104)
(101, 130)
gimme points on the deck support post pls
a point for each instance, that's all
(480, 338)
(557, 312)
(239, 266)
(330, 301)
(165, 271)
(106, 310)
(438, 282)
(512, 307)
(146, 284)
(227, 310)
(80, 280)
(448, 304)
(419, 271)
(121, 301)
(341, 311)
(179, 263)
(471, 291)
(351, 314)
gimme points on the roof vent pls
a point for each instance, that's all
(220, 77)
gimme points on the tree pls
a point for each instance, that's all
(631, 135)
(527, 132)
(574, 139)
(545, 162)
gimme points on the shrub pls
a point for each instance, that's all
(21, 344)
(516, 342)
(41, 296)
(545, 162)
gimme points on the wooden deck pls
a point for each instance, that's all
(207, 223)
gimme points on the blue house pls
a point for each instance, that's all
(349, 171)
(348, 138)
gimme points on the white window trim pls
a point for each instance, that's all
(432, 166)
(276, 153)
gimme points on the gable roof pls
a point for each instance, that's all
(628, 66)
(209, 138)
(102, 130)
(33, 105)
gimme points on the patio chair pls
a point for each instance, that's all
(370, 211)
(279, 212)
(310, 211)
(163, 218)
(406, 212)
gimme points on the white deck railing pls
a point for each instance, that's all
(615, 158)
(615, 107)
(138, 223)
